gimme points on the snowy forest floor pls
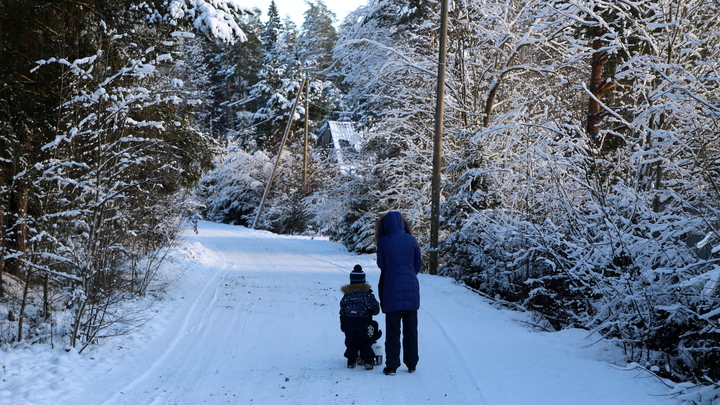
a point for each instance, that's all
(249, 317)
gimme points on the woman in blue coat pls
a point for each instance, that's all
(399, 260)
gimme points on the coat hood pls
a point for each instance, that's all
(393, 222)
(358, 287)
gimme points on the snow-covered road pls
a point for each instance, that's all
(252, 318)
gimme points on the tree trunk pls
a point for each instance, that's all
(77, 323)
(16, 242)
(594, 116)
(2, 242)
(21, 316)
(46, 297)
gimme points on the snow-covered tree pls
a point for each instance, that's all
(317, 38)
(578, 200)
(272, 28)
(388, 61)
(105, 146)
(263, 117)
(232, 70)
(231, 192)
(273, 95)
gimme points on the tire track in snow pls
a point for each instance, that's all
(161, 380)
(467, 371)
(190, 314)
(183, 372)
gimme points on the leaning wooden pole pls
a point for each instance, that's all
(307, 134)
(437, 144)
(277, 161)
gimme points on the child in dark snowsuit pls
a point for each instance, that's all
(357, 307)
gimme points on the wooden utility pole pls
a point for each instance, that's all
(307, 130)
(282, 146)
(437, 144)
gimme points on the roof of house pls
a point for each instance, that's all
(345, 130)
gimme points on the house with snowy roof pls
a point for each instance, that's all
(340, 134)
(343, 139)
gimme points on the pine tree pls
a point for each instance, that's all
(272, 29)
(317, 38)
(279, 80)
(233, 70)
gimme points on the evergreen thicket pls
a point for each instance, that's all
(98, 141)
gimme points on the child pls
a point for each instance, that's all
(357, 307)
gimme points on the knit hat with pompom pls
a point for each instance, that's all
(358, 275)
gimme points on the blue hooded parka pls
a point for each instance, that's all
(399, 259)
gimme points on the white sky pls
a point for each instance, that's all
(296, 8)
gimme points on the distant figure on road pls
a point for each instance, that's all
(399, 259)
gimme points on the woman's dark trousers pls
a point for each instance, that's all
(409, 322)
